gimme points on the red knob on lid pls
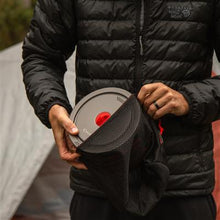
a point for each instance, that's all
(102, 117)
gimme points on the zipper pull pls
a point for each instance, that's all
(141, 45)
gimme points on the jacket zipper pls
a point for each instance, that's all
(142, 16)
(139, 56)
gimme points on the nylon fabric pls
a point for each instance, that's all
(177, 39)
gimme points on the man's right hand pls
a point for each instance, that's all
(62, 126)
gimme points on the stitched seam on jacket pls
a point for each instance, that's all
(110, 1)
(101, 19)
(194, 173)
(187, 189)
(181, 21)
(87, 78)
(106, 40)
(195, 152)
(190, 1)
(106, 20)
(176, 61)
(189, 62)
(109, 39)
(183, 41)
(105, 59)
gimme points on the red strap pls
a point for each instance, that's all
(160, 127)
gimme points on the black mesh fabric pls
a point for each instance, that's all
(126, 159)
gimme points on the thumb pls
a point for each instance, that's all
(69, 126)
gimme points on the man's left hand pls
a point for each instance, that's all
(159, 100)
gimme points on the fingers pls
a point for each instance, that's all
(160, 102)
(69, 155)
(168, 100)
(166, 109)
(146, 90)
(78, 165)
(151, 92)
(59, 115)
(62, 126)
(69, 143)
(68, 125)
(64, 151)
(74, 160)
(159, 93)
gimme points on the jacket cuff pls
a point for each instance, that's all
(44, 117)
(193, 115)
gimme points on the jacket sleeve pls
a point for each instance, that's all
(204, 100)
(48, 44)
(217, 30)
(204, 96)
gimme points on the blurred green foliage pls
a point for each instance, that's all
(15, 18)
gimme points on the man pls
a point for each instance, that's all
(159, 50)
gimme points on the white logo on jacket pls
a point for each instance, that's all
(179, 11)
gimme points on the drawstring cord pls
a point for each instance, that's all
(160, 127)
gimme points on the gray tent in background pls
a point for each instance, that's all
(33, 180)
(40, 188)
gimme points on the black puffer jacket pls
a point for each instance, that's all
(126, 44)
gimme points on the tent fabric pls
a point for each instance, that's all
(216, 66)
(216, 131)
(28, 158)
(25, 142)
(49, 195)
